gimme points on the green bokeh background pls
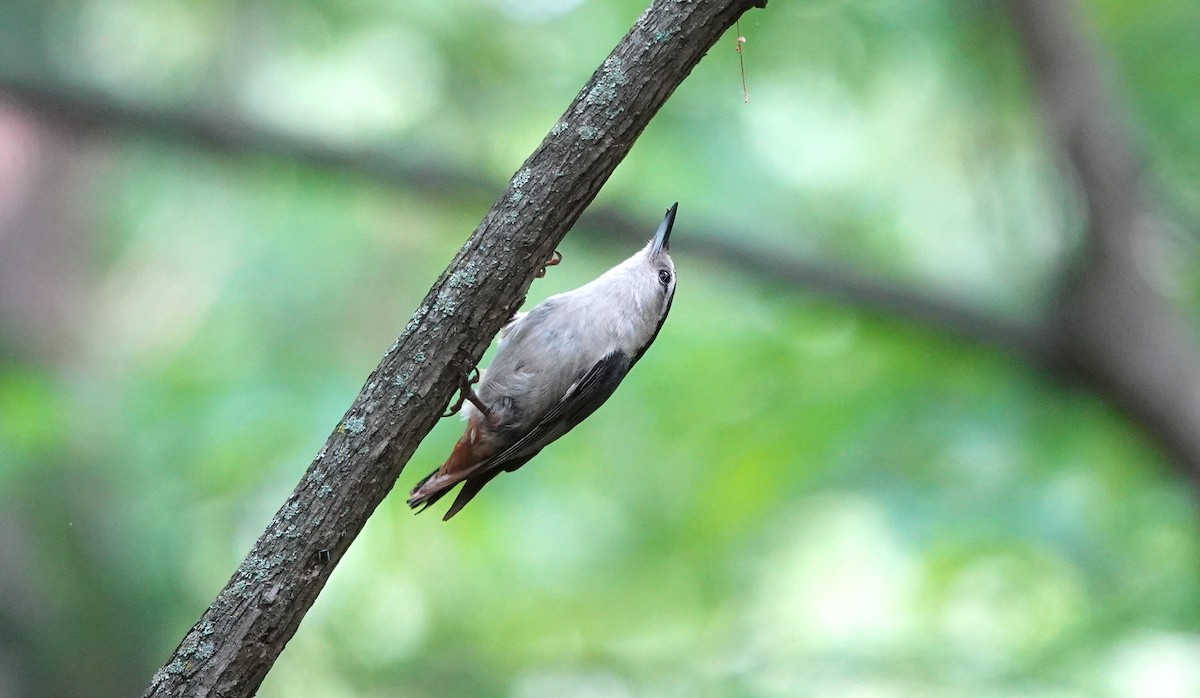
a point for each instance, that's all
(787, 497)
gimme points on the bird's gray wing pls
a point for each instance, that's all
(595, 386)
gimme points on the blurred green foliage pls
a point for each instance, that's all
(785, 498)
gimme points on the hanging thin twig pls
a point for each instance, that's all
(742, 61)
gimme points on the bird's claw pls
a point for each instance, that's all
(555, 258)
(466, 394)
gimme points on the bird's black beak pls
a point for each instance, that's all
(662, 238)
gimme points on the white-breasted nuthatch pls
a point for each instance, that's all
(554, 366)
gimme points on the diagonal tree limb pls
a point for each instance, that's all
(230, 649)
(1112, 323)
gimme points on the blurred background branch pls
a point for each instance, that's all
(1113, 322)
(95, 112)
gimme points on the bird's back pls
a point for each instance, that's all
(540, 357)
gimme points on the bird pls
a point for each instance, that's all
(554, 366)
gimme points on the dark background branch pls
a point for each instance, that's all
(1112, 324)
(90, 110)
(94, 111)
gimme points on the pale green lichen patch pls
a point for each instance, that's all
(175, 666)
(559, 127)
(604, 90)
(289, 511)
(520, 179)
(589, 133)
(419, 315)
(354, 425)
(194, 650)
(464, 276)
(662, 36)
(255, 569)
(446, 303)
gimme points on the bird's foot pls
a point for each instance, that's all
(467, 394)
(554, 260)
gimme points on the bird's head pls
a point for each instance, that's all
(658, 257)
(653, 273)
(639, 290)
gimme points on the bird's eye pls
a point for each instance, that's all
(664, 277)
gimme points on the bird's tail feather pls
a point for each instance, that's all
(469, 489)
(431, 488)
(469, 457)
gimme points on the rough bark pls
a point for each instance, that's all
(232, 646)
(1112, 324)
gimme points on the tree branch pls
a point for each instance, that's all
(91, 111)
(230, 649)
(1112, 324)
